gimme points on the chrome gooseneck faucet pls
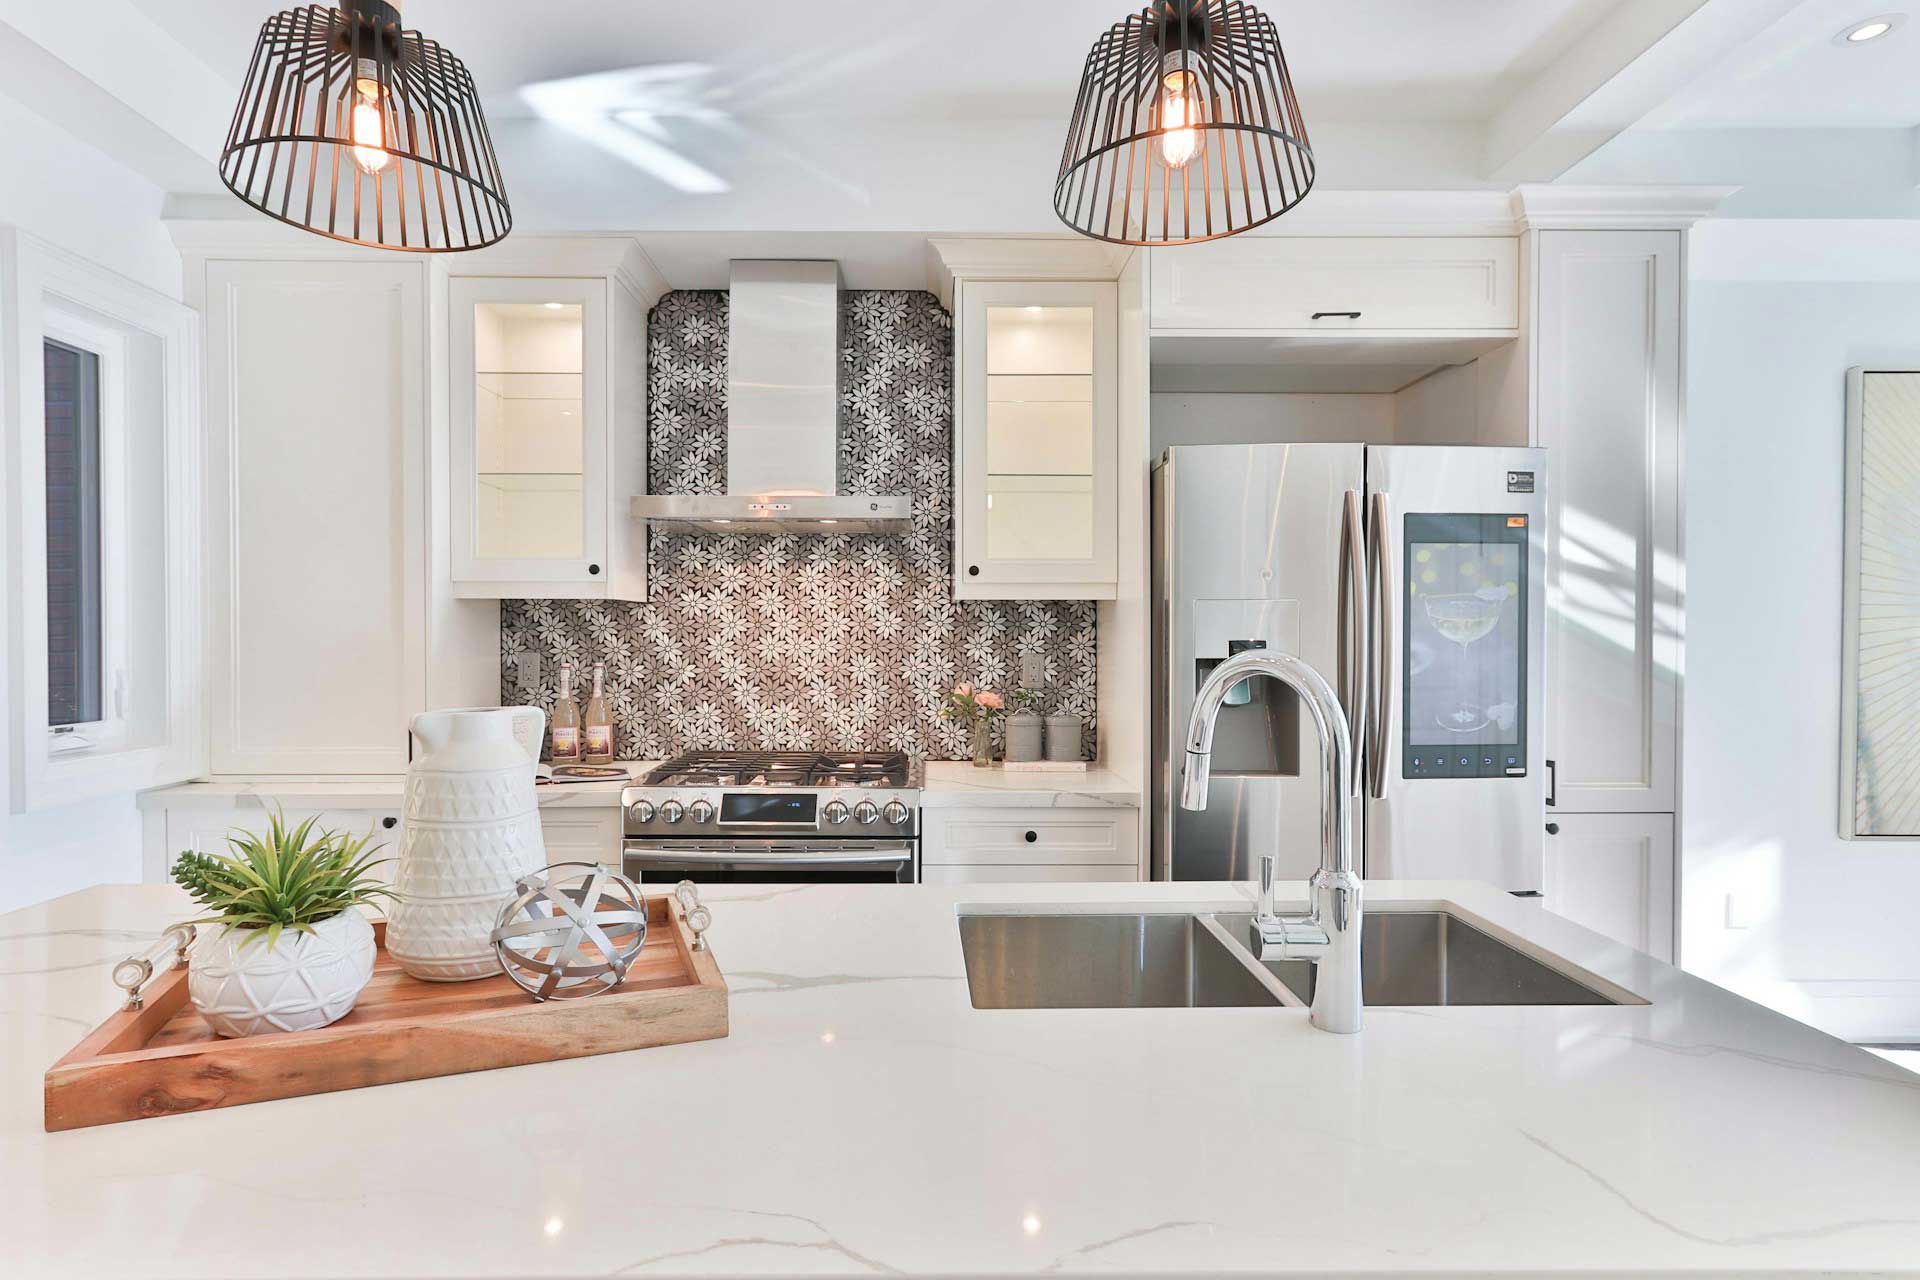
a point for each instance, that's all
(1329, 934)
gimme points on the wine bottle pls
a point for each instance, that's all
(598, 746)
(566, 721)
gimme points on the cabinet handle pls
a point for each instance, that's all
(973, 571)
(389, 823)
(1553, 828)
(1340, 315)
(1553, 785)
(1032, 836)
(593, 569)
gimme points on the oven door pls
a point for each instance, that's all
(770, 861)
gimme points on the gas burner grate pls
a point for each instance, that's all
(782, 769)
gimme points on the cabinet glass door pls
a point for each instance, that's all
(527, 425)
(528, 406)
(1038, 440)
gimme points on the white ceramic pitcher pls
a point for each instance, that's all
(472, 828)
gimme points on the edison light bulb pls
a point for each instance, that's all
(1179, 112)
(369, 127)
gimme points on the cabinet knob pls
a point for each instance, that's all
(389, 823)
(1032, 836)
(1553, 828)
(973, 571)
(593, 569)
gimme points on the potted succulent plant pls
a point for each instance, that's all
(976, 709)
(289, 949)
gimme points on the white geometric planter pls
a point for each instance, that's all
(303, 981)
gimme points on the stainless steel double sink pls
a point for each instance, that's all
(1146, 960)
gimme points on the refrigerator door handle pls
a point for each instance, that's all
(1352, 642)
(1383, 668)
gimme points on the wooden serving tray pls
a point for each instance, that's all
(163, 1059)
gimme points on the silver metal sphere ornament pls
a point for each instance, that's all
(572, 929)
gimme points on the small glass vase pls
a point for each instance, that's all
(983, 743)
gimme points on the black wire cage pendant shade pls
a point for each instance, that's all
(350, 127)
(1186, 128)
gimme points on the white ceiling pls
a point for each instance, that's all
(1794, 76)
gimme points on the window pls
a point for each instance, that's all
(73, 536)
(101, 522)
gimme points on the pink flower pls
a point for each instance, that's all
(963, 690)
(989, 699)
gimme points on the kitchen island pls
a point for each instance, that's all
(864, 1117)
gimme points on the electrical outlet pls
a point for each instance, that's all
(526, 670)
(1033, 671)
(1738, 913)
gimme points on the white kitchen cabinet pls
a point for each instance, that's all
(204, 829)
(582, 835)
(1613, 873)
(1289, 285)
(1029, 843)
(316, 504)
(1607, 382)
(547, 437)
(1037, 473)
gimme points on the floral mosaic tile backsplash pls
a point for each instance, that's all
(788, 643)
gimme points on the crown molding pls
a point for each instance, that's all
(1541, 207)
(1020, 258)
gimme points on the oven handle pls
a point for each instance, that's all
(798, 861)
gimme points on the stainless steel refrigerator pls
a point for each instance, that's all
(1413, 578)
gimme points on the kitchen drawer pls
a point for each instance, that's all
(1395, 283)
(1013, 874)
(582, 835)
(1030, 837)
(205, 830)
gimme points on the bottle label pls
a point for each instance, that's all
(566, 743)
(599, 739)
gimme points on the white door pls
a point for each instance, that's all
(315, 506)
(1607, 372)
(1613, 873)
(1038, 444)
(529, 430)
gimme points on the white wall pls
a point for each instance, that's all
(63, 191)
(1224, 418)
(1775, 904)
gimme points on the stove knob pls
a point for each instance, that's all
(700, 811)
(671, 811)
(836, 812)
(895, 812)
(866, 813)
(642, 810)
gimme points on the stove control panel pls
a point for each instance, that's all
(770, 811)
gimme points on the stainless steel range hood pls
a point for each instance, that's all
(783, 415)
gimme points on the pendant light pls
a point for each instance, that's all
(352, 128)
(1186, 128)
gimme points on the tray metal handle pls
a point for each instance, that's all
(168, 951)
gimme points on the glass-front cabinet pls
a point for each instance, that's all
(1036, 409)
(532, 485)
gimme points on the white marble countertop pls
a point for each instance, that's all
(948, 783)
(863, 1117)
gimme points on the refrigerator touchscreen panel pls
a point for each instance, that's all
(1465, 646)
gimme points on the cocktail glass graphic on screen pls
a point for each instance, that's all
(1465, 620)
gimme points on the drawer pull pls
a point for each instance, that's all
(389, 823)
(1336, 315)
(1032, 836)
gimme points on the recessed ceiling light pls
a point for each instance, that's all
(1870, 29)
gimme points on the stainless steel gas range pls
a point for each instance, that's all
(775, 817)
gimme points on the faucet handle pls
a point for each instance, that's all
(1264, 908)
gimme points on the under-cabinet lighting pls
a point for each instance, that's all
(1030, 1224)
(1871, 29)
(554, 306)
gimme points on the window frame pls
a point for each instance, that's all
(61, 324)
(154, 734)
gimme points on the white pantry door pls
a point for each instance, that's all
(316, 509)
(1608, 380)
